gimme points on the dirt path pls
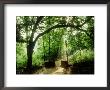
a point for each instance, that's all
(59, 70)
(55, 70)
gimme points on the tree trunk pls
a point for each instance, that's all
(30, 47)
(66, 50)
(49, 46)
(44, 48)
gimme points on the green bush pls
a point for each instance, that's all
(82, 56)
(37, 59)
(21, 57)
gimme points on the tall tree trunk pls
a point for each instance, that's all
(44, 48)
(30, 47)
(49, 46)
(66, 51)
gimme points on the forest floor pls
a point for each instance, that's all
(81, 68)
(59, 70)
(55, 70)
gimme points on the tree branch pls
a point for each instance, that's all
(56, 26)
(89, 18)
(37, 22)
(35, 26)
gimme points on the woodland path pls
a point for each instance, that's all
(61, 70)
(58, 69)
(55, 70)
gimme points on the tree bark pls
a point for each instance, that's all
(30, 47)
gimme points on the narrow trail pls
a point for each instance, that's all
(59, 70)
(59, 66)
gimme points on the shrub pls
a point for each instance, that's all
(82, 56)
(21, 57)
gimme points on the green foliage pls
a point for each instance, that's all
(76, 42)
(21, 57)
(37, 60)
(83, 56)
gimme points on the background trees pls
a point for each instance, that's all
(41, 39)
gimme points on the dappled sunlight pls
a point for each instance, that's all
(55, 45)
